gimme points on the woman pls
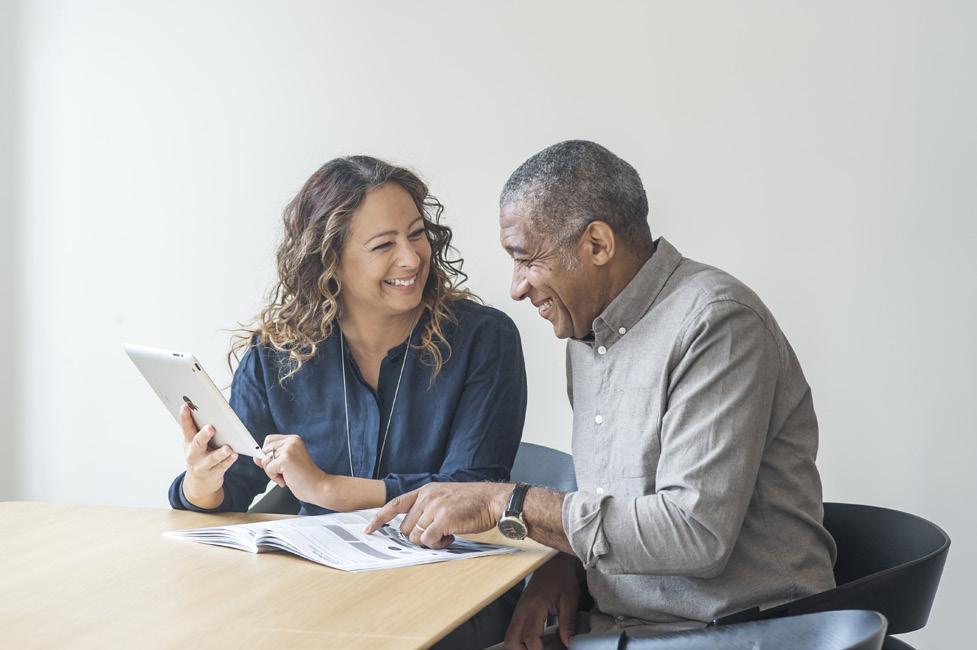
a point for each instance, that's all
(370, 373)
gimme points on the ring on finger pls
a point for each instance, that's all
(420, 527)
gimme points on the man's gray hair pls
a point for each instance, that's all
(570, 184)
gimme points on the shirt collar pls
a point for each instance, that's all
(637, 297)
(394, 352)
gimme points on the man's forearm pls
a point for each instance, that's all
(543, 514)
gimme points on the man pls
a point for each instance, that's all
(694, 434)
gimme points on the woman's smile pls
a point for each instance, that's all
(402, 284)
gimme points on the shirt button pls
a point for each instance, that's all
(601, 350)
(599, 490)
(599, 419)
(622, 330)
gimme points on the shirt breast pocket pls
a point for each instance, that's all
(636, 445)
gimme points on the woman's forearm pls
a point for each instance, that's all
(201, 496)
(345, 493)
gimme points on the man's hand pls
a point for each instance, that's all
(553, 590)
(437, 512)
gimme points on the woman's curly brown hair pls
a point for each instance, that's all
(304, 304)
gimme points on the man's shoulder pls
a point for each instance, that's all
(696, 287)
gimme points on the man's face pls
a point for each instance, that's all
(562, 297)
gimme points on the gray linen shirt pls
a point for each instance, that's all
(694, 439)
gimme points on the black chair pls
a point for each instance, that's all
(888, 561)
(279, 501)
(837, 630)
(545, 467)
(534, 464)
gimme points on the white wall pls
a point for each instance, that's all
(822, 152)
(9, 158)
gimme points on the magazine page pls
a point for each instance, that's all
(337, 540)
(238, 536)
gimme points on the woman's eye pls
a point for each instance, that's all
(417, 233)
(383, 246)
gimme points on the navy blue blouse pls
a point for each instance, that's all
(463, 426)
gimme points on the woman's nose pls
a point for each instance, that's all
(407, 257)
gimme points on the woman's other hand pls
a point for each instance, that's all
(203, 485)
(287, 463)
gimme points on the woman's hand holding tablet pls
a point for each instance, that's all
(204, 481)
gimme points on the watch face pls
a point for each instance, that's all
(512, 528)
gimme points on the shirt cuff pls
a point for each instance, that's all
(394, 488)
(583, 523)
(185, 503)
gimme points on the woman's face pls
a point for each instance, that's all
(385, 261)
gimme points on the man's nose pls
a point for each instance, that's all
(520, 286)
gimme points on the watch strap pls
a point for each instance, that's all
(516, 500)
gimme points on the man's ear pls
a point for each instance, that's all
(598, 243)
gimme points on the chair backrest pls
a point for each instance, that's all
(543, 466)
(839, 630)
(873, 540)
(279, 501)
(534, 464)
(888, 561)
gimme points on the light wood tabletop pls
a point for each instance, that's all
(104, 577)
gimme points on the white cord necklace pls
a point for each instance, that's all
(390, 416)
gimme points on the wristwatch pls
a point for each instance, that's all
(512, 525)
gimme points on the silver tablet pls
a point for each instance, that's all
(178, 379)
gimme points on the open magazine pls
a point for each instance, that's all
(336, 540)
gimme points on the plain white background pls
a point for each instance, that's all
(823, 152)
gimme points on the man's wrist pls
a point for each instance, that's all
(500, 500)
(513, 522)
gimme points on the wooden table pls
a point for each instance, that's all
(104, 577)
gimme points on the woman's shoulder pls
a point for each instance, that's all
(263, 356)
(255, 358)
(258, 352)
(275, 368)
(471, 315)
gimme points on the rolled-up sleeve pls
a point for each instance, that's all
(487, 421)
(713, 433)
(243, 480)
